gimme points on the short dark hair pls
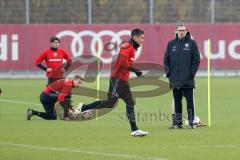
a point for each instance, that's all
(181, 25)
(54, 38)
(78, 77)
(136, 32)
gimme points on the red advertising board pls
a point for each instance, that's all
(21, 44)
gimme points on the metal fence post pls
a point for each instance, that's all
(212, 11)
(151, 11)
(89, 11)
(27, 11)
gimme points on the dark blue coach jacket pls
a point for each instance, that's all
(181, 62)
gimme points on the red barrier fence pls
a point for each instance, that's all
(21, 44)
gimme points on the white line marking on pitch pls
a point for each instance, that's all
(80, 151)
(19, 102)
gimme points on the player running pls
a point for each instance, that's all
(119, 86)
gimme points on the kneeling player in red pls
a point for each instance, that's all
(57, 91)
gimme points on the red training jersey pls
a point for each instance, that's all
(63, 86)
(124, 60)
(54, 60)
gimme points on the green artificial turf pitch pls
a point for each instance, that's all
(108, 137)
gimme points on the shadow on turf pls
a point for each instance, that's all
(151, 80)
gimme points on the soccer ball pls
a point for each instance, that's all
(72, 116)
(196, 121)
(87, 114)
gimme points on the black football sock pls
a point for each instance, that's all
(44, 115)
(94, 105)
(131, 117)
(173, 120)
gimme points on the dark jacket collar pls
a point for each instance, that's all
(53, 49)
(134, 44)
(188, 36)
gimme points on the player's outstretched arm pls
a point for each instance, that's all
(136, 71)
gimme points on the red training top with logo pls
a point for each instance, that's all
(124, 60)
(62, 86)
(54, 60)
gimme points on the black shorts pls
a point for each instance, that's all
(120, 89)
(51, 80)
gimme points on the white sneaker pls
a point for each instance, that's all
(78, 110)
(139, 133)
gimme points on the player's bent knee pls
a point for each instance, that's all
(52, 116)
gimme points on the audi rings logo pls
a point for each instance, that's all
(97, 44)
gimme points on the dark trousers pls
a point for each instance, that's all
(48, 101)
(178, 93)
(117, 89)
